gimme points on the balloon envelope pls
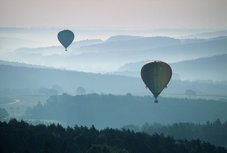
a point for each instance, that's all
(156, 75)
(66, 37)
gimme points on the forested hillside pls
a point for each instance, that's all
(20, 137)
(116, 111)
(212, 132)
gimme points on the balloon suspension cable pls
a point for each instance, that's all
(156, 101)
(65, 49)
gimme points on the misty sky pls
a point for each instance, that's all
(114, 13)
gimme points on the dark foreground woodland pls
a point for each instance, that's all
(21, 137)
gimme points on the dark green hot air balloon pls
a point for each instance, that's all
(156, 75)
(66, 37)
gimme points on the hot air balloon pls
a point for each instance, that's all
(156, 75)
(66, 38)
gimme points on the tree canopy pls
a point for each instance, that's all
(21, 137)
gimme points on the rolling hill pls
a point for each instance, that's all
(116, 111)
(119, 50)
(207, 68)
(16, 78)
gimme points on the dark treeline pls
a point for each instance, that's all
(213, 132)
(20, 137)
(116, 111)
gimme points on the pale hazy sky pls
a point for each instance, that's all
(114, 13)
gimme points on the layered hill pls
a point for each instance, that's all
(207, 68)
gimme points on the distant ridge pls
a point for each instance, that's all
(122, 50)
(31, 79)
(134, 42)
(122, 38)
(18, 64)
(212, 68)
(206, 68)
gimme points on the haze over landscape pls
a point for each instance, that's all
(97, 82)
